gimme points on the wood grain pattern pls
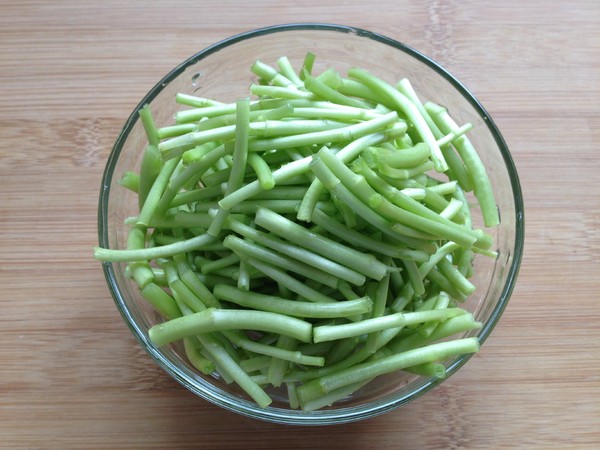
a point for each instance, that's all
(72, 375)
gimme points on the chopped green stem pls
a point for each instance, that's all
(140, 271)
(149, 170)
(457, 169)
(180, 291)
(307, 65)
(346, 154)
(176, 130)
(182, 219)
(454, 276)
(414, 277)
(452, 326)
(354, 88)
(255, 363)
(176, 146)
(309, 201)
(322, 348)
(441, 253)
(284, 193)
(160, 184)
(452, 209)
(292, 396)
(291, 283)
(446, 188)
(361, 167)
(196, 358)
(489, 253)
(346, 290)
(271, 74)
(331, 78)
(371, 369)
(301, 254)
(184, 295)
(380, 298)
(262, 170)
(279, 111)
(291, 131)
(297, 127)
(482, 186)
(447, 230)
(240, 157)
(325, 92)
(406, 88)
(196, 102)
(287, 70)
(245, 247)
(149, 125)
(333, 332)
(278, 367)
(193, 282)
(346, 114)
(363, 263)
(331, 397)
(355, 148)
(243, 281)
(439, 279)
(219, 263)
(440, 315)
(229, 366)
(358, 356)
(442, 302)
(211, 320)
(285, 172)
(455, 133)
(194, 154)
(342, 134)
(397, 100)
(293, 308)
(250, 207)
(130, 181)
(431, 196)
(163, 251)
(205, 112)
(340, 191)
(405, 174)
(192, 172)
(406, 296)
(299, 167)
(434, 370)
(404, 210)
(280, 92)
(341, 350)
(264, 349)
(407, 157)
(161, 301)
(359, 239)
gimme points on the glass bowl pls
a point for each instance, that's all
(222, 72)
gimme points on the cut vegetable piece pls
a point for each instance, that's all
(301, 241)
(212, 319)
(363, 263)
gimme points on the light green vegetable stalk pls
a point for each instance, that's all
(303, 239)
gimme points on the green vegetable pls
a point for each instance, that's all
(311, 238)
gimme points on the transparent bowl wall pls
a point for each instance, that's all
(223, 72)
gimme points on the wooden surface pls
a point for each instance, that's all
(71, 373)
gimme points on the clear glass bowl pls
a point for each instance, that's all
(222, 72)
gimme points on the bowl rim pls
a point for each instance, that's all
(274, 414)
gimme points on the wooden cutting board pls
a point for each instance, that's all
(72, 375)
